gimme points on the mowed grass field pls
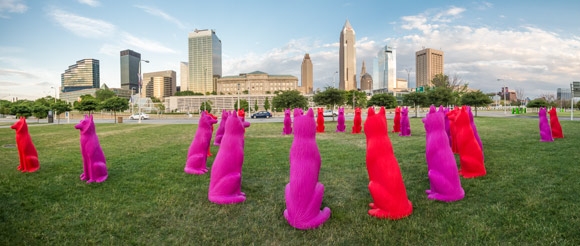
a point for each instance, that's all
(530, 195)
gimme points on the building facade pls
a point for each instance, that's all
(563, 94)
(306, 86)
(192, 104)
(85, 74)
(347, 58)
(402, 84)
(256, 83)
(130, 69)
(73, 96)
(366, 80)
(385, 69)
(205, 61)
(428, 63)
(159, 84)
(183, 76)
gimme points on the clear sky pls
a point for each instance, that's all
(533, 45)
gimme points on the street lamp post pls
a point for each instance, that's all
(132, 99)
(53, 111)
(140, 82)
(238, 96)
(504, 90)
(409, 70)
(334, 79)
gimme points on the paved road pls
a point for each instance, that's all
(195, 120)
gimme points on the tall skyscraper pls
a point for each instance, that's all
(366, 81)
(347, 58)
(159, 84)
(205, 60)
(428, 62)
(385, 69)
(82, 75)
(184, 75)
(306, 75)
(130, 69)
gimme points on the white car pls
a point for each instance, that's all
(144, 116)
(329, 113)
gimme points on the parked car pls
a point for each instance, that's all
(262, 114)
(329, 113)
(144, 116)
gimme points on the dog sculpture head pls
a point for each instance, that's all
(20, 125)
(86, 125)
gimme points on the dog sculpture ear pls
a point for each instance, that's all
(382, 111)
(310, 113)
(91, 117)
(371, 111)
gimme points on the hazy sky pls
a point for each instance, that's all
(533, 45)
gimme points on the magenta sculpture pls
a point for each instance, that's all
(474, 128)
(405, 126)
(220, 131)
(298, 112)
(441, 165)
(304, 193)
(545, 130)
(340, 127)
(226, 175)
(94, 163)
(287, 130)
(197, 154)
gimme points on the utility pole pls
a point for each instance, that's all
(409, 70)
(504, 91)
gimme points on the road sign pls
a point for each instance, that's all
(419, 89)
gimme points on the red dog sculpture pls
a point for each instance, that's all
(397, 125)
(356, 128)
(386, 183)
(320, 121)
(26, 150)
(555, 124)
(452, 130)
(470, 154)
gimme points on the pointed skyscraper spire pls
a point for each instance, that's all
(363, 70)
(347, 25)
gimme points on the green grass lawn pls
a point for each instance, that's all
(530, 195)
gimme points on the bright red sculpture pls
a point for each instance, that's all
(397, 125)
(26, 149)
(320, 121)
(356, 128)
(452, 129)
(555, 124)
(470, 154)
(386, 183)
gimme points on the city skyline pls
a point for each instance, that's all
(535, 46)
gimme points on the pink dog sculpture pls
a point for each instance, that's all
(94, 163)
(441, 165)
(226, 175)
(197, 154)
(298, 112)
(340, 127)
(405, 126)
(447, 126)
(304, 193)
(220, 131)
(545, 131)
(26, 150)
(287, 130)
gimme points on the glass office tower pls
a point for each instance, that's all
(385, 69)
(205, 60)
(130, 69)
(82, 75)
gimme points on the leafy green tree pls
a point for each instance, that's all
(115, 104)
(206, 106)
(155, 100)
(21, 108)
(5, 107)
(39, 111)
(187, 93)
(360, 98)
(537, 103)
(383, 100)
(87, 104)
(60, 107)
(245, 92)
(46, 101)
(475, 99)
(104, 94)
(330, 97)
(578, 105)
(267, 104)
(289, 99)
(256, 106)
(243, 104)
(439, 96)
(415, 99)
